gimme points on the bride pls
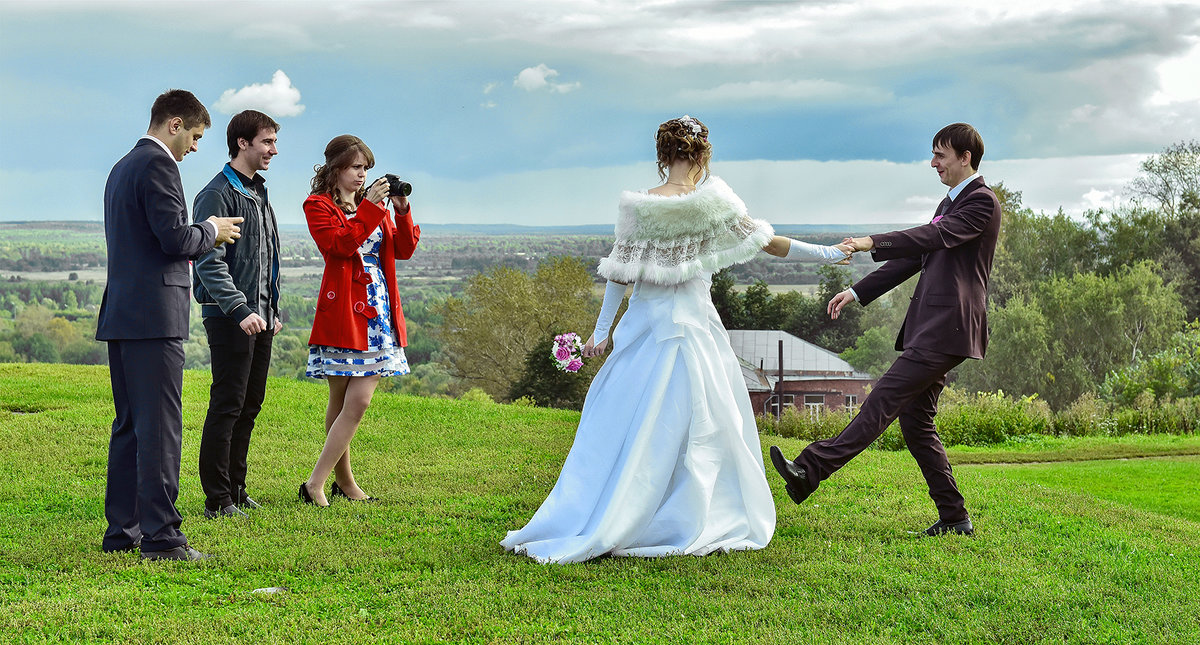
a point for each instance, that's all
(666, 460)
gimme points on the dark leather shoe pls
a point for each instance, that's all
(304, 496)
(795, 476)
(958, 528)
(246, 502)
(180, 553)
(338, 492)
(123, 549)
(228, 511)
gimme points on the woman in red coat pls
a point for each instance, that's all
(358, 334)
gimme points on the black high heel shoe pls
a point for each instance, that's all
(305, 497)
(338, 492)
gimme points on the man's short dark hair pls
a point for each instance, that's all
(182, 104)
(962, 138)
(246, 125)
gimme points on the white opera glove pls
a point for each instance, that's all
(614, 293)
(804, 250)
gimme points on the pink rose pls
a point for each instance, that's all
(575, 365)
(562, 353)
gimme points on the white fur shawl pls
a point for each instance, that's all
(672, 239)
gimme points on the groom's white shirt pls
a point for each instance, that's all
(953, 194)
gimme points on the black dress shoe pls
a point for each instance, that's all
(246, 502)
(228, 511)
(180, 553)
(304, 496)
(338, 492)
(795, 476)
(122, 549)
(958, 528)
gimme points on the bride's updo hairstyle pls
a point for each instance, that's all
(340, 155)
(683, 138)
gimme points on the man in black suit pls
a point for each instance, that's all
(946, 323)
(144, 319)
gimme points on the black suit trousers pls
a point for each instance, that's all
(239, 384)
(908, 391)
(147, 436)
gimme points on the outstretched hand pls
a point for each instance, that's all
(844, 248)
(591, 348)
(838, 302)
(860, 243)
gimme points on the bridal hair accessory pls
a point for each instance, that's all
(567, 352)
(691, 123)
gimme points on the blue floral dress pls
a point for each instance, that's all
(383, 355)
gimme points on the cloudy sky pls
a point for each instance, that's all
(540, 112)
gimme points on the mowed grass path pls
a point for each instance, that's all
(1065, 552)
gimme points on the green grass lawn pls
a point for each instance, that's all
(1089, 552)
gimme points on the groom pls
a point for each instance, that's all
(945, 324)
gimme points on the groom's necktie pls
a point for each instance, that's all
(941, 207)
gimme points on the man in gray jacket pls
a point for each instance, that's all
(237, 286)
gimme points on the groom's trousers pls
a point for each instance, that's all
(908, 391)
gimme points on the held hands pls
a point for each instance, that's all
(227, 229)
(844, 248)
(838, 302)
(859, 243)
(591, 349)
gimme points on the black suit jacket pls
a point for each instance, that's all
(948, 312)
(149, 242)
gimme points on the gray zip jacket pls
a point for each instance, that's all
(238, 279)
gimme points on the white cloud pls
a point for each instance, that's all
(488, 88)
(808, 91)
(532, 79)
(1179, 79)
(277, 98)
(488, 104)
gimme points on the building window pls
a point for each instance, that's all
(813, 403)
(771, 404)
(851, 402)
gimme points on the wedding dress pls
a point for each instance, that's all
(666, 460)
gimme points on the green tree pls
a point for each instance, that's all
(1017, 356)
(487, 332)
(546, 385)
(1170, 180)
(1096, 324)
(873, 352)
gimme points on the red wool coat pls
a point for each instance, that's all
(342, 308)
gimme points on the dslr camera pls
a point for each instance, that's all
(397, 187)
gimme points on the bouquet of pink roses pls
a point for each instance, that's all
(567, 352)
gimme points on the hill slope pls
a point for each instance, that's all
(424, 565)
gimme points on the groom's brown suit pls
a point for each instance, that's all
(945, 324)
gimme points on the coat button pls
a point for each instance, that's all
(330, 295)
(359, 306)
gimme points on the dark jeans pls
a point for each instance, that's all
(908, 391)
(143, 453)
(239, 383)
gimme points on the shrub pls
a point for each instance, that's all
(1088, 416)
(989, 418)
(476, 395)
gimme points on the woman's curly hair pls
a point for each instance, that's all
(683, 138)
(339, 155)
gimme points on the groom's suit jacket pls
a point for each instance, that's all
(953, 253)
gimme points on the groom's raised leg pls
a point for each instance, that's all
(909, 377)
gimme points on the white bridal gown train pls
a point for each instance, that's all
(666, 460)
